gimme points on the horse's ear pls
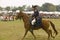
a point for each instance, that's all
(20, 11)
(32, 6)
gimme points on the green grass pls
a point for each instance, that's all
(14, 30)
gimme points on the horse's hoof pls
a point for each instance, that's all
(53, 37)
(34, 38)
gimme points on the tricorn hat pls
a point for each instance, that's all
(34, 6)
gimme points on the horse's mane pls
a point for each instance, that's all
(26, 14)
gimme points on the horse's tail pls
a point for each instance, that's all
(53, 26)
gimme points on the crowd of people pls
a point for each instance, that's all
(7, 18)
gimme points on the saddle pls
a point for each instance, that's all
(38, 22)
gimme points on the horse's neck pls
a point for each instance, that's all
(25, 18)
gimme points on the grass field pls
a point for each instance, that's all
(13, 30)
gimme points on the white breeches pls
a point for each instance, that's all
(33, 21)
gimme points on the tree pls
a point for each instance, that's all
(21, 8)
(52, 7)
(39, 8)
(14, 9)
(58, 8)
(48, 7)
(29, 8)
(24, 6)
(1, 8)
(7, 8)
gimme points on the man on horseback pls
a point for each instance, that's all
(35, 16)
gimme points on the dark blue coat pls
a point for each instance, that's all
(36, 13)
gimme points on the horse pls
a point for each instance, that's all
(27, 26)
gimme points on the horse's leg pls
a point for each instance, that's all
(47, 31)
(48, 34)
(51, 34)
(25, 34)
(33, 34)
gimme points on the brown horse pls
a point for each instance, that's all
(27, 26)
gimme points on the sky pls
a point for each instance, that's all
(4, 3)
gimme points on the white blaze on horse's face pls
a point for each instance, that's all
(33, 21)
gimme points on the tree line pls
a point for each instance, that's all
(45, 7)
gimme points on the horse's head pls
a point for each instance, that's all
(19, 15)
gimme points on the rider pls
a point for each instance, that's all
(35, 15)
